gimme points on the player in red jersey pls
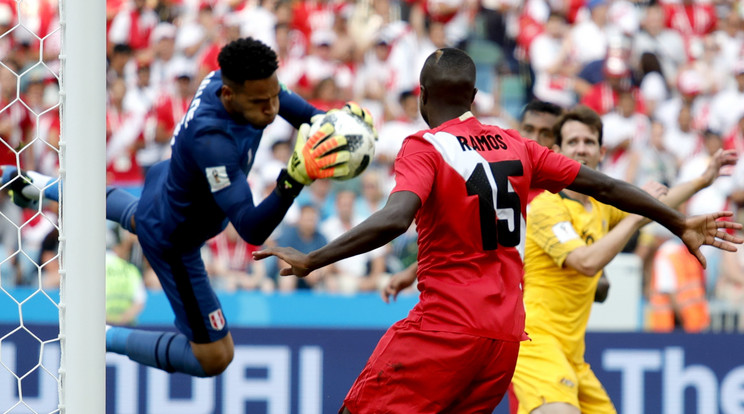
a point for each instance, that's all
(466, 185)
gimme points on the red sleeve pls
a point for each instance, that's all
(551, 171)
(415, 168)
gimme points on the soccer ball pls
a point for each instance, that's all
(360, 139)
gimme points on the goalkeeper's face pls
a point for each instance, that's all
(255, 102)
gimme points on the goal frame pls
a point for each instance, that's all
(82, 385)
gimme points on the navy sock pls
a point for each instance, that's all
(120, 207)
(168, 351)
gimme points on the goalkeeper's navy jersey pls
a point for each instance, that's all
(190, 198)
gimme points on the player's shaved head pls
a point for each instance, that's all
(448, 75)
(447, 85)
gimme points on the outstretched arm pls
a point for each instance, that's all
(694, 231)
(380, 228)
(588, 260)
(683, 191)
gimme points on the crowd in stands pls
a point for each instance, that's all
(666, 76)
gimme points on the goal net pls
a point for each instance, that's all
(52, 120)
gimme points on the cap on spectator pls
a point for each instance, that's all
(322, 37)
(616, 67)
(163, 31)
(188, 36)
(385, 36)
(690, 82)
(181, 68)
(6, 15)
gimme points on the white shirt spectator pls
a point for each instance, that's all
(633, 133)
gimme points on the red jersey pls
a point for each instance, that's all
(473, 181)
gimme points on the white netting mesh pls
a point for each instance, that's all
(29, 280)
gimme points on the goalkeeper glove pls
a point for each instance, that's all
(354, 109)
(322, 155)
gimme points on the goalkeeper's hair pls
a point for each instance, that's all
(247, 59)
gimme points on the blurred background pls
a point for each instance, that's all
(667, 77)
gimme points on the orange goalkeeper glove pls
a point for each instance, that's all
(322, 155)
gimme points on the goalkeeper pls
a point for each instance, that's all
(191, 197)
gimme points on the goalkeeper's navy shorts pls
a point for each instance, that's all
(186, 284)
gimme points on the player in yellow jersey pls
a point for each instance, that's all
(570, 238)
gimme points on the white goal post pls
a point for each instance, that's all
(82, 210)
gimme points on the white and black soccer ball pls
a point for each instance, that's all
(360, 139)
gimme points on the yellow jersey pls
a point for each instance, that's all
(558, 299)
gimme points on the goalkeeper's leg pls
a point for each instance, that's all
(169, 351)
(203, 346)
(29, 187)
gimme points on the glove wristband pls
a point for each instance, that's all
(286, 186)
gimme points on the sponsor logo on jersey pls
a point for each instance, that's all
(564, 232)
(217, 320)
(217, 177)
(567, 382)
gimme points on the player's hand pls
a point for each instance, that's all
(298, 262)
(354, 109)
(707, 229)
(398, 282)
(318, 156)
(719, 165)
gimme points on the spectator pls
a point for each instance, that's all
(589, 37)
(690, 92)
(230, 264)
(603, 97)
(171, 105)
(123, 139)
(305, 237)
(374, 194)
(141, 95)
(133, 26)
(550, 56)
(125, 291)
(665, 43)
(358, 273)
(677, 290)
(163, 44)
(656, 162)
(692, 19)
(326, 95)
(121, 65)
(712, 198)
(321, 195)
(681, 138)
(727, 105)
(319, 64)
(626, 136)
(393, 132)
